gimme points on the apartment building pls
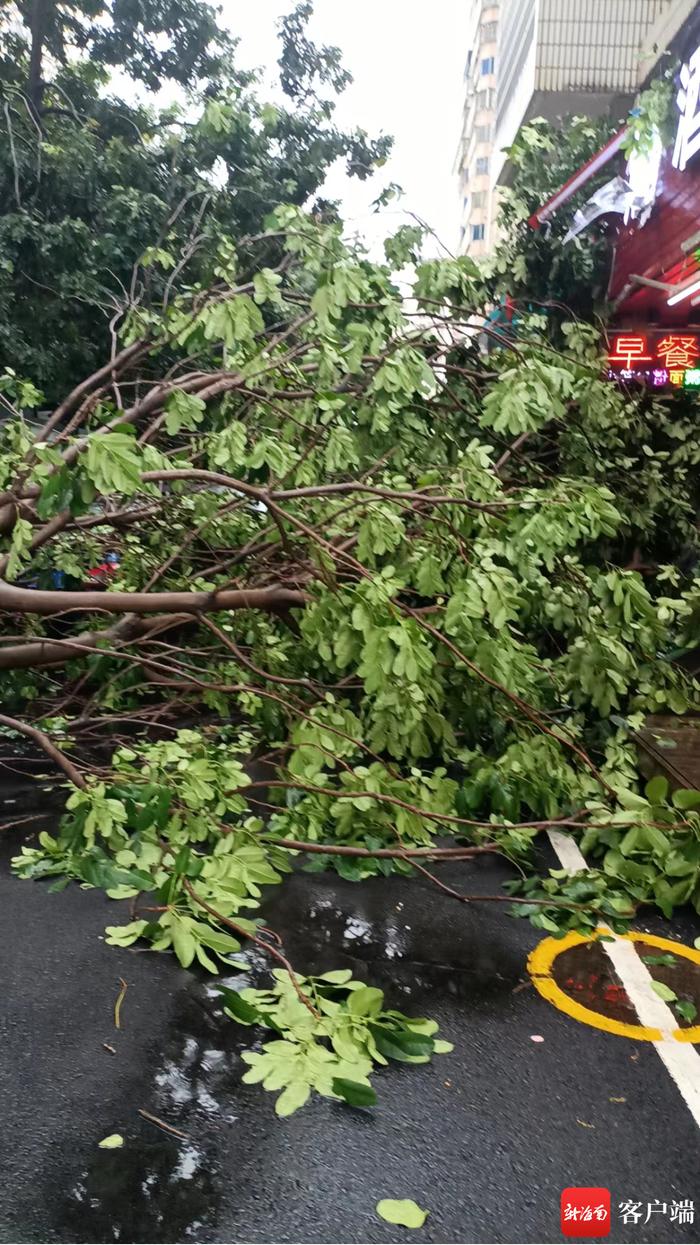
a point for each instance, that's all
(476, 147)
(548, 58)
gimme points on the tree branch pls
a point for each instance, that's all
(32, 732)
(40, 601)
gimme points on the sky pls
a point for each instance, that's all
(407, 58)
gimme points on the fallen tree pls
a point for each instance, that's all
(396, 570)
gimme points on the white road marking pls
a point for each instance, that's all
(681, 1059)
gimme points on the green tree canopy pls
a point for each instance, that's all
(89, 182)
(532, 265)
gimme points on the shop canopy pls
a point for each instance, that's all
(655, 276)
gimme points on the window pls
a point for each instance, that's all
(482, 133)
(489, 32)
(488, 65)
(479, 199)
(486, 99)
(478, 233)
(465, 203)
(482, 165)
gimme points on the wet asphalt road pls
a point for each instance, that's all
(485, 1138)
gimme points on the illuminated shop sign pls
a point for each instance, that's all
(658, 358)
(688, 102)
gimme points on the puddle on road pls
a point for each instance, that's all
(158, 1187)
(392, 932)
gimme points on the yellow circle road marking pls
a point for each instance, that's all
(540, 963)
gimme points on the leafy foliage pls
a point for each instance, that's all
(652, 117)
(100, 197)
(417, 597)
(329, 1044)
(532, 266)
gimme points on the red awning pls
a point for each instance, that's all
(653, 262)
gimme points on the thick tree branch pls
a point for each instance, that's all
(39, 653)
(39, 601)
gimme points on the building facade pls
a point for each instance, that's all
(476, 146)
(553, 58)
(654, 286)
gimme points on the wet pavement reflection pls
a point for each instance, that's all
(485, 1137)
(159, 1187)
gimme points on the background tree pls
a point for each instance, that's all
(531, 265)
(558, 291)
(88, 181)
(153, 42)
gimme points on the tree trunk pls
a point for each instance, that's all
(37, 25)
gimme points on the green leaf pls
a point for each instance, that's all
(366, 1002)
(656, 790)
(666, 961)
(685, 799)
(59, 885)
(292, 1098)
(56, 494)
(686, 1009)
(218, 940)
(238, 1008)
(19, 547)
(105, 876)
(183, 410)
(113, 463)
(235, 320)
(664, 992)
(401, 1044)
(113, 1142)
(184, 942)
(339, 976)
(441, 1047)
(265, 285)
(124, 935)
(228, 447)
(406, 1213)
(355, 1094)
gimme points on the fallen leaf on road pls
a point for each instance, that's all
(113, 1142)
(584, 1124)
(618, 1100)
(664, 992)
(687, 1009)
(403, 1211)
(536, 1037)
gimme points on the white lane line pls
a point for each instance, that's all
(681, 1059)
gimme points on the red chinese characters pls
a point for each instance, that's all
(678, 351)
(629, 350)
(657, 356)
